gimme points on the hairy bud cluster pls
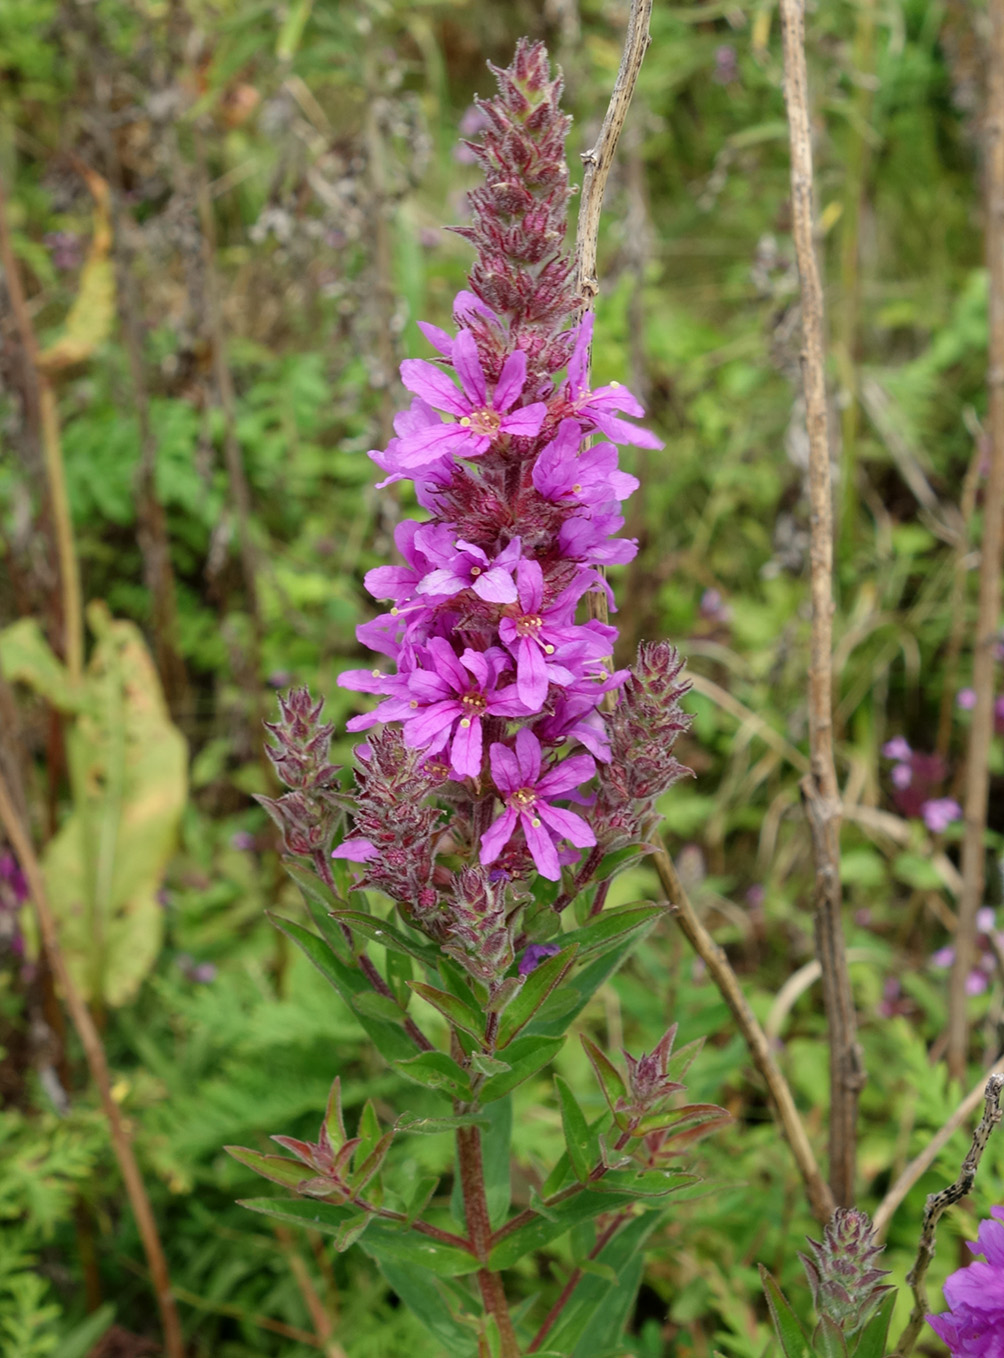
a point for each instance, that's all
(308, 813)
(476, 930)
(846, 1285)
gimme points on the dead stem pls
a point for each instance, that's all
(819, 788)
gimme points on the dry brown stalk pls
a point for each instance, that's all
(937, 1204)
(991, 558)
(820, 791)
(42, 396)
(598, 162)
(820, 1198)
(97, 1064)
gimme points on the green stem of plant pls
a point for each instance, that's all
(472, 1183)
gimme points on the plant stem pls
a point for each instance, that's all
(819, 1194)
(938, 1203)
(97, 1063)
(598, 162)
(988, 617)
(819, 789)
(43, 396)
(472, 1182)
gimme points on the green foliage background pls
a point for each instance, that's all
(328, 131)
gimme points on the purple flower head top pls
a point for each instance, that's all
(492, 684)
(973, 1326)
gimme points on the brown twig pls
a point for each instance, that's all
(923, 1162)
(598, 162)
(937, 1204)
(323, 1324)
(97, 1063)
(991, 556)
(42, 395)
(819, 788)
(821, 1200)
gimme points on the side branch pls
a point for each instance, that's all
(819, 788)
(820, 1197)
(938, 1203)
(991, 558)
(600, 158)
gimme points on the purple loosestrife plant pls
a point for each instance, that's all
(494, 788)
(973, 1327)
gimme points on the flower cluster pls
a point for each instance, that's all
(492, 700)
(973, 1327)
(846, 1285)
(915, 776)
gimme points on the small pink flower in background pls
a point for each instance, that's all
(939, 814)
(966, 699)
(713, 607)
(973, 1327)
(902, 775)
(897, 748)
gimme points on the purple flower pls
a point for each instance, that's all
(450, 697)
(243, 840)
(973, 1327)
(563, 474)
(534, 955)
(479, 420)
(902, 775)
(534, 634)
(939, 813)
(463, 565)
(897, 748)
(525, 792)
(596, 409)
(966, 699)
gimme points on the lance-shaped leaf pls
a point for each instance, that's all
(333, 1126)
(388, 935)
(578, 989)
(128, 774)
(349, 982)
(371, 1004)
(593, 1321)
(525, 1057)
(535, 990)
(534, 1235)
(610, 1078)
(683, 1121)
(419, 1198)
(321, 902)
(436, 1070)
(412, 1122)
(382, 1240)
(287, 1173)
(644, 1183)
(603, 932)
(789, 1332)
(350, 1231)
(579, 1141)
(424, 1298)
(459, 1013)
(872, 1339)
(371, 1165)
(827, 1340)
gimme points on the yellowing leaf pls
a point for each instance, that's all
(128, 768)
(92, 314)
(27, 658)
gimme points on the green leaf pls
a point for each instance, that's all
(390, 1041)
(871, 1341)
(644, 1183)
(579, 989)
(607, 928)
(321, 902)
(827, 1340)
(453, 1008)
(572, 1211)
(378, 930)
(287, 1173)
(83, 1338)
(580, 1143)
(421, 1195)
(488, 1065)
(535, 990)
(371, 1004)
(371, 1165)
(611, 1081)
(423, 1298)
(128, 774)
(593, 1322)
(382, 1240)
(436, 1070)
(526, 1056)
(400, 970)
(496, 1154)
(789, 1332)
(27, 658)
(350, 1232)
(423, 1126)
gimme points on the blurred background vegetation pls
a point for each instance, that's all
(239, 207)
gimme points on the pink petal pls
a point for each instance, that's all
(433, 386)
(439, 339)
(505, 769)
(511, 381)
(571, 772)
(528, 757)
(530, 579)
(567, 824)
(357, 850)
(498, 835)
(468, 367)
(541, 846)
(467, 748)
(495, 586)
(525, 422)
(531, 674)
